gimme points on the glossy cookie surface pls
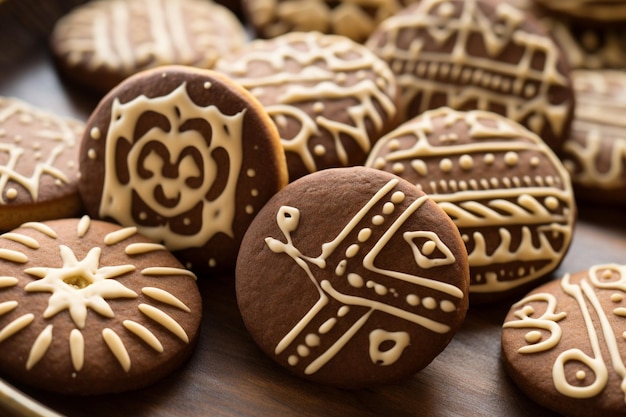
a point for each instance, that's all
(507, 192)
(352, 277)
(89, 307)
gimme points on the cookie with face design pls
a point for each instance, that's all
(89, 307)
(352, 277)
(508, 193)
(478, 54)
(185, 155)
(38, 164)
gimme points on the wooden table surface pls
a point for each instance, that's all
(229, 376)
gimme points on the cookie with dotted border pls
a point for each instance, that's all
(100, 43)
(367, 278)
(187, 156)
(330, 97)
(88, 307)
(479, 54)
(563, 343)
(39, 164)
(594, 153)
(504, 188)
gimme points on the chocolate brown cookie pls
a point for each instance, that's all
(187, 156)
(594, 153)
(507, 192)
(563, 343)
(352, 277)
(102, 42)
(594, 10)
(478, 54)
(38, 164)
(330, 97)
(89, 307)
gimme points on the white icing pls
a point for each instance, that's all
(40, 347)
(77, 349)
(165, 297)
(116, 346)
(144, 334)
(162, 318)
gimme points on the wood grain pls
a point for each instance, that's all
(229, 376)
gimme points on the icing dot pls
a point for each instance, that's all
(533, 337)
(319, 150)
(292, 360)
(250, 173)
(249, 209)
(429, 303)
(186, 221)
(511, 158)
(429, 247)
(364, 234)
(489, 158)
(94, 133)
(388, 208)
(580, 375)
(212, 262)
(341, 77)
(393, 144)
(355, 280)
(445, 165)
(552, 203)
(143, 215)
(398, 168)
(303, 350)
(378, 220)
(534, 162)
(379, 163)
(91, 153)
(58, 182)
(397, 197)
(419, 166)
(352, 250)
(254, 192)
(341, 268)
(412, 299)
(11, 193)
(616, 298)
(343, 311)
(207, 85)
(318, 107)
(312, 339)
(466, 162)
(17, 138)
(447, 306)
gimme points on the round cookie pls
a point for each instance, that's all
(100, 43)
(367, 278)
(187, 156)
(594, 153)
(330, 97)
(354, 19)
(563, 343)
(588, 10)
(88, 307)
(506, 191)
(38, 164)
(478, 54)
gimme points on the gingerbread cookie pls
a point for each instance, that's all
(39, 164)
(478, 54)
(594, 154)
(367, 278)
(102, 42)
(187, 156)
(89, 307)
(563, 343)
(330, 97)
(354, 19)
(507, 192)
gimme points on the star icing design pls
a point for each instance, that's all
(79, 285)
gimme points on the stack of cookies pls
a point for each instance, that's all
(387, 165)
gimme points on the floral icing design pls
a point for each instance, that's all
(82, 285)
(601, 325)
(336, 304)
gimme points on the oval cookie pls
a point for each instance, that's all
(595, 153)
(100, 43)
(330, 97)
(367, 278)
(38, 164)
(563, 343)
(507, 192)
(89, 307)
(478, 54)
(185, 155)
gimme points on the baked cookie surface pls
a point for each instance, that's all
(185, 155)
(38, 164)
(595, 153)
(352, 277)
(102, 42)
(588, 10)
(330, 97)
(478, 54)
(89, 307)
(563, 343)
(507, 192)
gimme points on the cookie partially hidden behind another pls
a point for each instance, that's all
(563, 343)
(38, 164)
(352, 277)
(88, 307)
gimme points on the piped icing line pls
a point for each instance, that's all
(77, 349)
(117, 348)
(143, 248)
(42, 228)
(119, 235)
(165, 297)
(144, 334)
(6, 282)
(165, 320)
(39, 347)
(13, 256)
(27, 241)
(8, 306)
(16, 325)
(83, 226)
(159, 271)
